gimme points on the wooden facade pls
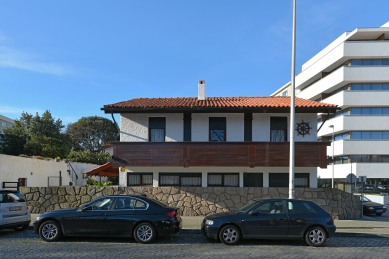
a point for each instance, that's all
(241, 154)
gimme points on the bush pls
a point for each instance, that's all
(93, 182)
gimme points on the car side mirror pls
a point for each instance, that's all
(254, 213)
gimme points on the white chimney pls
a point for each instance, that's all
(201, 90)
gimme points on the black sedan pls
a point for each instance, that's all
(370, 207)
(115, 215)
(272, 219)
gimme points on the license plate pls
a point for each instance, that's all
(16, 208)
(378, 211)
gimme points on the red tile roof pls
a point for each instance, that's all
(218, 102)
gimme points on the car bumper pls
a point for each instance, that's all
(209, 231)
(168, 227)
(331, 230)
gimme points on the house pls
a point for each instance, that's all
(5, 122)
(352, 72)
(211, 141)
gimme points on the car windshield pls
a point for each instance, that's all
(246, 206)
(364, 199)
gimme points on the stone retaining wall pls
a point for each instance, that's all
(193, 201)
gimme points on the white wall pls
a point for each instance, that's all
(371, 170)
(37, 171)
(205, 170)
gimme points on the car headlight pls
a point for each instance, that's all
(370, 208)
(38, 218)
(384, 207)
(208, 222)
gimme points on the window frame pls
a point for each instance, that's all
(156, 123)
(140, 180)
(223, 182)
(214, 123)
(277, 120)
(180, 175)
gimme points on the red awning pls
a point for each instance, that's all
(104, 170)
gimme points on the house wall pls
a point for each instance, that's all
(205, 170)
(134, 127)
(193, 201)
(37, 171)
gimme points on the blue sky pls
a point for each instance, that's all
(72, 57)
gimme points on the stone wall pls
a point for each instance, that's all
(192, 201)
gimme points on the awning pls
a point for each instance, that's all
(104, 170)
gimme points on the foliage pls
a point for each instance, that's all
(93, 182)
(35, 135)
(87, 156)
(114, 180)
(90, 133)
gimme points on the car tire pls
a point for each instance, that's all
(145, 233)
(21, 228)
(230, 235)
(50, 231)
(315, 236)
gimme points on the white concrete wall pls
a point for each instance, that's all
(205, 170)
(371, 170)
(359, 147)
(134, 127)
(37, 171)
(354, 98)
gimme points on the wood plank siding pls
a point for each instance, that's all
(246, 154)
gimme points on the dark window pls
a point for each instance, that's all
(180, 179)
(301, 179)
(299, 207)
(217, 129)
(252, 179)
(223, 179)
(278, 127)
(157, 128)
(248, 127)
(187, 127)
(282, 179)
(270, 207)
(139, 179)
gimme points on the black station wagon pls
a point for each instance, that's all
(115, 215)
(271, 219)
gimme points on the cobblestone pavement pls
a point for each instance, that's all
(26, 244)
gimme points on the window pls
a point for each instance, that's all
(217, 129)
(139, 179)
(157, 128)
(129, 203)
(252, 179)
(248, 126)
(187, 126)
(278, 127)
(270, 207)
(100, 204)
(180, 179)
(370, 135)
(370, 86)
(223, 179)
(299, 207)
(285, 93)
(4, 124)
(370, 62)
(282, 179)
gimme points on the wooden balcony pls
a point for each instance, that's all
(244, 154)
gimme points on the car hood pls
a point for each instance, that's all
(221, 214)
(371, 203)
(60, 211)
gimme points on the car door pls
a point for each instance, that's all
(300, 215)
(267, 220)
(123, 216)
(92, 219)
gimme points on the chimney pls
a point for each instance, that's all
(201, 90)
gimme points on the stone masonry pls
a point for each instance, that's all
(192, 201)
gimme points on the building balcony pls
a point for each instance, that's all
(371, 170)
(353, 98)
(359, 147)
(194, 154)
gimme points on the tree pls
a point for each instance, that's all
(87, 156)
(35, 135)
(91, 133)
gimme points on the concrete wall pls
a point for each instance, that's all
(193, 201)
(37, 171)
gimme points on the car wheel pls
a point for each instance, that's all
(315, 236)
(145, 233)
(230, 235)
(50, 231)
(21, 228)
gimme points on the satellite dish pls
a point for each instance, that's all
(351, 178)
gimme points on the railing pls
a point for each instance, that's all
(8, 185)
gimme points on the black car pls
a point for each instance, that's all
(272, 219)
(115, 215)
(370, 207)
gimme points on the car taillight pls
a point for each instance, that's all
(172, 214)
(332, 218)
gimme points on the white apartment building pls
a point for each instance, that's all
(5, 122)
(353, 73)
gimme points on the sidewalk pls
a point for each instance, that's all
(366, 227)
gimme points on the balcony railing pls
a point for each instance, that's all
(194, 154)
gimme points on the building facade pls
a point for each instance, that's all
(353, 73)
(226, 142)
(5, 122)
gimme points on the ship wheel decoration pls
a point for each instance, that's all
(303, 128)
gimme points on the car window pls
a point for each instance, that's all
(100, 204)
(130, 203)
(11, 197)
(246, 206)
(299, 207)
(138, 204)
(270, 207)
